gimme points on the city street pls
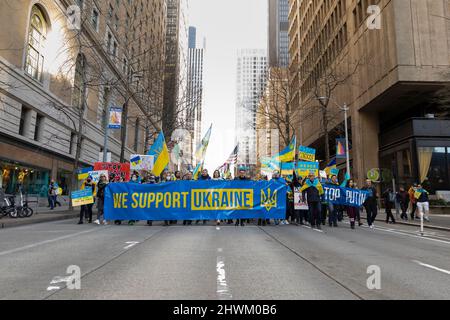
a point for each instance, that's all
(225, 262)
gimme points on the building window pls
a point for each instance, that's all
(95, 18)
(25, 115)
(38, 127)
(36, 41)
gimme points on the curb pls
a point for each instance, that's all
(414, 225)
(24, 221)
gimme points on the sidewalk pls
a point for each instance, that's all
(61, 213)
(437, 221)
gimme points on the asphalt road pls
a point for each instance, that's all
(205, 262)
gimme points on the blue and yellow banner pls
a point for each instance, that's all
(196, 200)
(304, 168)
(82, 197)
(307, 154)
(161, 154)
(288, 153)
(287, 168)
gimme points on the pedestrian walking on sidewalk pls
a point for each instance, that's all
(413, 201)
(389, 201)
(371, 203)
(423, 204)
(403, 199)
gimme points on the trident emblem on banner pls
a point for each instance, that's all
(268, 201)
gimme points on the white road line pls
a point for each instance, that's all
(130, 244)
(405, 233)
(45, 242)
(223, 292)
(217, 228)
(50, 288)
(431, 267)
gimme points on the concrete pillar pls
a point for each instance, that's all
(365, 130)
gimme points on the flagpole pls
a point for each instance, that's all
(345, 108)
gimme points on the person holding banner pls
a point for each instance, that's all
(187, 176)
(313, 190)
(242, 176)
(333, 208)
(216, 176)
(371, 203)
(86, 209)
(353, 212)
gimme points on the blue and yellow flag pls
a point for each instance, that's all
(287, 168)
(331, 165)
(201, 148)
(288, 154)
(161, 153)
(197, 171)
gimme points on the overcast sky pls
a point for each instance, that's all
(227, 26)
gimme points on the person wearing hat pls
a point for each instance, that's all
(87, 208)
(151, 179)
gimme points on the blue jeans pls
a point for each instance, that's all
(51, 201)
(332, 216)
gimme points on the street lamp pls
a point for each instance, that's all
(344, 108)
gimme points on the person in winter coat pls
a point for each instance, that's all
(389, 201)
(313, 190)
(413, 201)
(353, 212)
(403, 199)
(371, 203)
(101, 186)
(423, 204)
(242, 176)
(87, 208)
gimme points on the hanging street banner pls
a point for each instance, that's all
(340, 149)
(82, 197)
(115, 118)
(196, 200)
(117, 171)
(304, 168)
(307, 154)
(142, 162)
(344, 196)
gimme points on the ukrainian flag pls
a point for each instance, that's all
(287, 168)
(330, 166)
(198, 170)
(161, 153)
(288, 154)
(201, 149)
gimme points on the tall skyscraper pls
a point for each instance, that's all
(193, 113)
(278, 33)
(251, 81)
(175, 79)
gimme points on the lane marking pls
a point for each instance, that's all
(130, 244)
(223, 292)
(432, 267)
(217, 228)
(50, 288)
(45, 242)
(405, 233)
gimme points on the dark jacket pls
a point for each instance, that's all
(312, 194)
(239, 178)
(423, 197)
(204, 177)
(403, 197)
(371, 200)
(101, 190)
